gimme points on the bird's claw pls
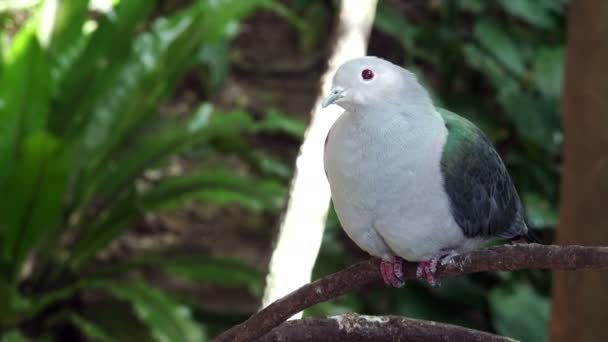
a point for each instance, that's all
(392, 272)
(428, 269)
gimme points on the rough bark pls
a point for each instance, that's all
(355, 328)
(580, 299)
(502, 258)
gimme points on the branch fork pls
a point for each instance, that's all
(500, 258)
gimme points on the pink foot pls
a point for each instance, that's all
(392, 272)
(428, 268)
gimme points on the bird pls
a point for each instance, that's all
(411, 181)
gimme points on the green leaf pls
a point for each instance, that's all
(91, 330)
(112, 222)
(151, 150)
(60, 30)
(60, 23)
(216, 185)
(548, 71)
(113, 195)
(539, 211)
(220, 26)
(154, 146)
(129, 92)
(167, 319)
(493, 37)
(16, 5)
(38, 186)
(215, 57)
(221, 19)
(393, 23)
(117, 319)
(520, 313)
(473, 6)
(137, 88)
(276, 121)
(24, 96)
(271, 167)
(93, 69)
(535, 12)
(13, 336)
(223, 272)
(495, 73)
(218, 271)
(14, 303)
(535, 119)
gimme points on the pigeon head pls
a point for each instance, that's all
(369, 82)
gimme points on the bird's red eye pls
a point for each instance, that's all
(367, 74)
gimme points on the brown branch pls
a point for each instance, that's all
(501, 258)
(355, 328)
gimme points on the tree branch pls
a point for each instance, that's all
(355, 328)
(501, 258)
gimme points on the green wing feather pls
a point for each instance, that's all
(482, 196)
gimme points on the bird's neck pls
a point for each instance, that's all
(413, 119)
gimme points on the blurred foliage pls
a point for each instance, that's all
(499, 63)
(80, 88)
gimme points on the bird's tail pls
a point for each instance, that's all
(529, 236)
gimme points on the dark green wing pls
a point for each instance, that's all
(483, 200)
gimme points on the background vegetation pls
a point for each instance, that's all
(116, 115)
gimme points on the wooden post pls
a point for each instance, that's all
(580, 298)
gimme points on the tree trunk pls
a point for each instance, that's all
(580, 304)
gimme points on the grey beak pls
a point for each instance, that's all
(335, 94)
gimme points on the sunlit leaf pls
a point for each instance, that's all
(94, 68)
(141, 83)
(24, 96)
(60, 28)
(15, 5)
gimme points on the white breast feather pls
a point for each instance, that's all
(386, 183)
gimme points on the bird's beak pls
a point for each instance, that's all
(335, 94)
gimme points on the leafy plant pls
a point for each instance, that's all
(78, 128)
